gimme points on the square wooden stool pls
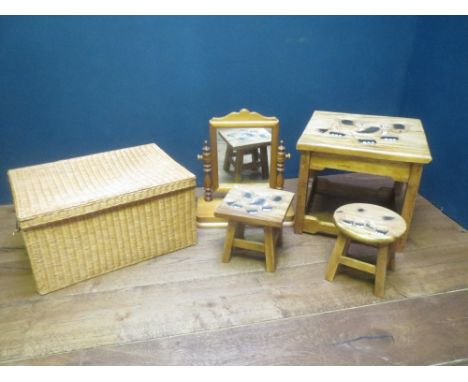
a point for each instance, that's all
(372, 225)
(242, 142)
(261, 207)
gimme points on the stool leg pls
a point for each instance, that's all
(255, 160)
(239, 165)
(240, 230)
(227, 158)
(391, 257)
(279, 240)
(230, 234)
(380, 271)
(270, 249)
(264, 159)
(341, 246)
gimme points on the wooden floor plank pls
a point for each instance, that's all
(16, 280)
(53, 323)
(198, 262)
(63, 323)
(455, 362)
(191, 291)
(418, 331)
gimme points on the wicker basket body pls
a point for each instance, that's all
(86, 216)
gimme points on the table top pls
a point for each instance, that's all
(255, 205)
(369, 223)
(239, 138)
(370, 136)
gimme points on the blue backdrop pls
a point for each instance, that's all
(77, 85)
(437, 90)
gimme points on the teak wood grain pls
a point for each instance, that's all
(188, 307)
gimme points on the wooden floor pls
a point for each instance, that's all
(188, 308)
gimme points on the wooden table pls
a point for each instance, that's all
(387, 146)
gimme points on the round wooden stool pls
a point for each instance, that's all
(372, 225)
(262, 207)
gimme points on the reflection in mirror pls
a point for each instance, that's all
(244, 154)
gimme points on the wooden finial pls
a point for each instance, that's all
(281, 157)
(205, 156)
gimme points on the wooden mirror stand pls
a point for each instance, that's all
(212, 186)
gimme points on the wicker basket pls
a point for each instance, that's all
(86, 216)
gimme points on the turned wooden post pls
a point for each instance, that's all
(205, 156)
(281, 157)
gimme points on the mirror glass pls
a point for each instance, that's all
(244, 154)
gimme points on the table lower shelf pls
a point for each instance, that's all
(330, 195)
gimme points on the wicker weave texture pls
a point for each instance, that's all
(61, 190)
(70, 251)
(86, 216)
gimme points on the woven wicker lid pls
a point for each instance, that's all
(74, 187)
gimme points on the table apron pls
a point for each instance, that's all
(398, 171)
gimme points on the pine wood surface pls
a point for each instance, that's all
(205, 214)
(369, 223)
(189, 307)
(257, 206)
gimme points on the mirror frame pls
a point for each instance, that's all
(242, 119)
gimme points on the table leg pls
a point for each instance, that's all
(301, 194)
(313, 174)
(409, 201)
(398, 190)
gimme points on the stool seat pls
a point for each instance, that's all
(264, 207)
(369, 224)
(259, 206)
